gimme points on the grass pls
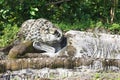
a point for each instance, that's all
(106, 76)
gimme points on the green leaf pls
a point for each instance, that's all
(1, 1)
(32, 13)
(34, 9)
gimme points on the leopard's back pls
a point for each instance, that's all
(39, 30)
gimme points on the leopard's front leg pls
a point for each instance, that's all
(49, 50)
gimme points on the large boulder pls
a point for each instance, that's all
(95, 45)
(98, 51)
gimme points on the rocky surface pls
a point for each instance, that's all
(94, 45)
(58, 74)
(96, 52)
(98, 65)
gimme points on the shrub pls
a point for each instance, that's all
(9, 34)
(115, 28)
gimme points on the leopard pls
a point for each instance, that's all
(40, 30)
(43, 33)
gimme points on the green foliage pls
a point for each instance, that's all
(97, 76)
(17, 11)
(115, 28)
(76, 26)
(99, 24)
(9, 33)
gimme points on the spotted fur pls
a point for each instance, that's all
(40, 30)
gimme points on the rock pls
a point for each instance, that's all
(95, 45)
(57, 74)
(99, 50)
